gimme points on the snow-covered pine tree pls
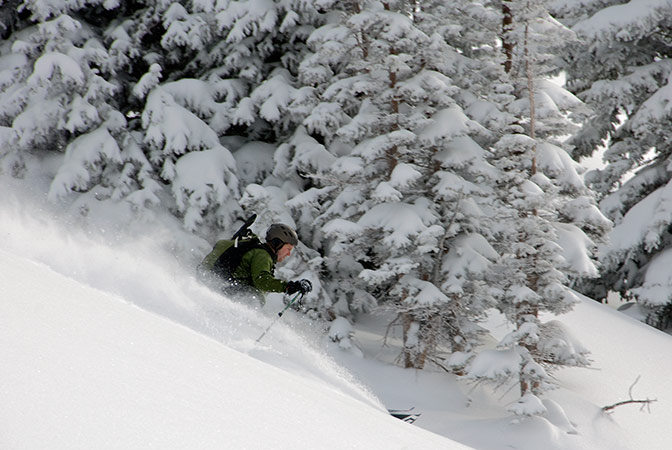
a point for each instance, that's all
(546, 216)
(200, 170)
(623, 70)
(380, 105)
(72, 69)
(353, 74)
(57, 99)
(177, 112)
(254, 62)
(463, 182)
(216, 71)
(76, 78)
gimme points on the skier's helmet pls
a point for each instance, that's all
(279, 234)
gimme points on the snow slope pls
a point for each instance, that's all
(106, 343)
(84, 369)
(622, 350)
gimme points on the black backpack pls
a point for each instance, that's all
(228, 262)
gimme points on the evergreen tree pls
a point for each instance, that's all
(58, 98)
(254, 60)
(547, 220)
(398, 190)
(623, 70)
(79, 82)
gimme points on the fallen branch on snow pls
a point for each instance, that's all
(645, 403)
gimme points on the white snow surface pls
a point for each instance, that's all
(103, 350)
(111, 344)
(84, 369)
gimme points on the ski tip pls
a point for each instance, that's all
(404, 414)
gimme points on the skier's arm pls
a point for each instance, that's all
(261, 268)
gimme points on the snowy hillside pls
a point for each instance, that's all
(111, 345)
(87, 370)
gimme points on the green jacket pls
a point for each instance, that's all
(255, 269)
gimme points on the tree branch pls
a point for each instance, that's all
(645, 403)
(389, 327)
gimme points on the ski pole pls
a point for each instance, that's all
(289, 304)
(279, 316)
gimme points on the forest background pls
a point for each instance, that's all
(427, 160)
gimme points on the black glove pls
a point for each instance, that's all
(302, 286)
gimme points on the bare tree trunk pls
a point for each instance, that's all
(530, 91)
(416, 356)
(507, 45)
(394, 106)
(407, 321)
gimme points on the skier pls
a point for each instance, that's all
(243, 266)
